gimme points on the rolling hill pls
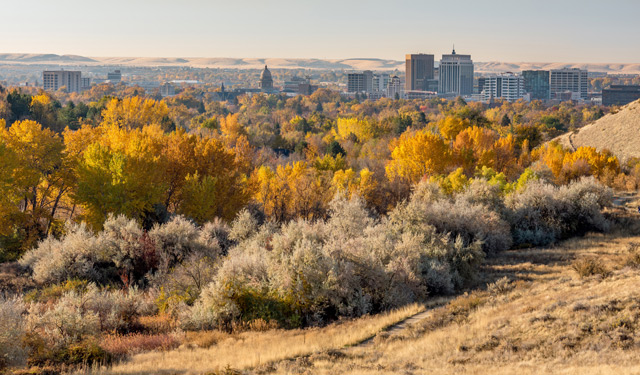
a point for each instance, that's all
(617, 132)
(295, 63)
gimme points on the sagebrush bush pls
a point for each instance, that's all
(312, 272)
(243, 226)
(80, 315)
(471, 222)
(80, 254)
(633, 256)
(176, 240)
(541, 214)
(118, 310)
(123, 252)
(12, 331)
(64, 322)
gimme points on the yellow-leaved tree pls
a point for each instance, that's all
(8, 207)
(141, 172)
(136, 112)
(363, 129)
(292, 190)
(474, 147)
(39, 175)
(122, 173)
(352, 183)
(204, 178)
(451, 126)
(418, 154)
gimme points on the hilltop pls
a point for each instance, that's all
(292, 63)
(617, 132)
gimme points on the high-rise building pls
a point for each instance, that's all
(506, 86)
(456, 75)
(395, 88)
(418, 71)
(620, 94)
(564, 81)
(360, 82)
(55, 79)
(536, 83)
(266, 81)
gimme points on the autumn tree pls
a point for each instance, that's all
(136, 112)
(417, 154)
(292, 190)
(39, 174)
(121, 173)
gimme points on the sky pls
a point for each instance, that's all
(603, 31)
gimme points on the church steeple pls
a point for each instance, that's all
(454, 49)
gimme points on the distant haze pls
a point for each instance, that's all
(275, 63)
(579, 31)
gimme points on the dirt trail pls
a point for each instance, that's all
(404, 324)
(622, 200)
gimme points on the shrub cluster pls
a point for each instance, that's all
(123, 252)
(541, 214)
(349, 265)
(63, 330)
(302, 272)
(12, 329)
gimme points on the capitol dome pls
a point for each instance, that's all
(266, 81)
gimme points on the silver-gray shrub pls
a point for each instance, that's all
(216, 235)
(73, 256)
(542, 214)
(176, 240)
(481, 192)
(243, 226)
(349, 265)
(12, 331)
(473, 216)
(80, 314)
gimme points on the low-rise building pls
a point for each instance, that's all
(506, 86)
(620, 95)
(575, 81)
(54, 80)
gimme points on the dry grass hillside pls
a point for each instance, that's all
(573, 308)
(618, 132)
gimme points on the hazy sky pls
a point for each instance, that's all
(489, 30)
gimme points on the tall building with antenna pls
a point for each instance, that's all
(455, 75)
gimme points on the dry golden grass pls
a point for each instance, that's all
(252, 349)
(551, 321)
(616, 132)
(538, 315)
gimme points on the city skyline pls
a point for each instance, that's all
(596, 32)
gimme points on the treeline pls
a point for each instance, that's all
(285, 157)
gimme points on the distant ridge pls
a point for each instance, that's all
(290, 63)
(617, 132)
